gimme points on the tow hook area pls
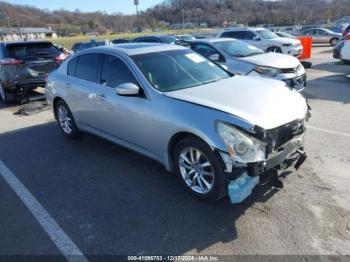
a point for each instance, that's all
(301, 159)
(242, 187)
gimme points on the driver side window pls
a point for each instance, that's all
(114, 72)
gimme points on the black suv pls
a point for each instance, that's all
(25, 65)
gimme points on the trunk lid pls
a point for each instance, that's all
(38, 58)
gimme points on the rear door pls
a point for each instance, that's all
(80, 87)
(34, 59)
(324, 36)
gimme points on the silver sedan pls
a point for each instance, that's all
(322, 36)
(221, 134)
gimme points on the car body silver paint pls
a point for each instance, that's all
(148, 124)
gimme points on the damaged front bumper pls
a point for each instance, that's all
(245, 177)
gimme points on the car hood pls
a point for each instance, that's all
(275, 60)
(266, 103)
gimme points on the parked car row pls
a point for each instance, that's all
(266, 40)
(220, 133)
(238, 57)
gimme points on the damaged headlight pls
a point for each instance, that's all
(241, 147)
(268, 71)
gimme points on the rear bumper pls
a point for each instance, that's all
(24, 84)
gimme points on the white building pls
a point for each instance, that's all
(30, 33)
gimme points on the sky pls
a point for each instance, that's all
(110, 6)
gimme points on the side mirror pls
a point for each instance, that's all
(127, 89)
(256, 38)
(215, 57)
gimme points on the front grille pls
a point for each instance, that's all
(283, 134)
(291, 70)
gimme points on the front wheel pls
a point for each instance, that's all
(334, 42)
(66, 121)
(199, 169)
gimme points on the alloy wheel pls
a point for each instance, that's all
(196, 170)
(64, 120)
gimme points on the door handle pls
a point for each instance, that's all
(92, 96)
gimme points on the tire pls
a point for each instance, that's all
(5, 96)
(194, 171)
(274, 49)
(65, 120)
(334, 41)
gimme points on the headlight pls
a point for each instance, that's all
(269, 71)
(241, 147)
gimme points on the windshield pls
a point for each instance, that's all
(266, 34)
(168, 39)
(238, 48)
(178, 69)
(187, 37)
(284, 34)
(328, 31)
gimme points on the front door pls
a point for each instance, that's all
(126, 118)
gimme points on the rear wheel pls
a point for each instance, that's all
(5, 96)
(66, 121)
(334, 41)
(274, 49)
(199, 169)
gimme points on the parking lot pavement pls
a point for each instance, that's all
(110, 200)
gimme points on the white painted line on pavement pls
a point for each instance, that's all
(48, 223)
(331, 132)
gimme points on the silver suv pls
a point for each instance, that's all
(265, 40)
(219, 133)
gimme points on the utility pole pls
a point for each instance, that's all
(183, 19)
(136, 3)
(296, 12)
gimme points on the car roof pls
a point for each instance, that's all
(137, 48)
(212, 40)
(26, 42)
(244, 29)
(155, 36)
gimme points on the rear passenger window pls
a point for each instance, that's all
(87, 67)
(114, 72)
(72, 65)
